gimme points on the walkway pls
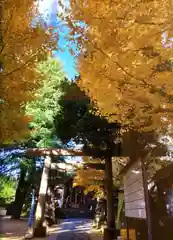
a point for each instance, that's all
(74, 229)
(69, 229)
(12, 229)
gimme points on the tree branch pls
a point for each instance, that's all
(121, 67)
(22, 66)
(7, 28)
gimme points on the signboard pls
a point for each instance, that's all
(134, 192)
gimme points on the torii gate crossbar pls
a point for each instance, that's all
(53, 152)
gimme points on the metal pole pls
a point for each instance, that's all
(127, 228)
(31, 215)
(109, 193)
(147, 200)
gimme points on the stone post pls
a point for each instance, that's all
(39, 229)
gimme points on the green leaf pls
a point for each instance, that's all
(46, 106)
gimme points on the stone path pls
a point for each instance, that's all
(69, 229)
(74, 229)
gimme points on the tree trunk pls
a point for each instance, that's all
(20, 195)
(71, 196)
(109, 193)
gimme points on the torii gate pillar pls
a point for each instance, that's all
(39, 229)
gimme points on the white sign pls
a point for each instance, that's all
(134, 192)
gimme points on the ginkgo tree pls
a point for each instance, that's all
(125, 59)
(24, 40)
(92, 179)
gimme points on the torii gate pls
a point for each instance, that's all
(39, 230)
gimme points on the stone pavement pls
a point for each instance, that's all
(76, 229)
(95, 235)
(69, 229)
(12, 229)
(17, 229)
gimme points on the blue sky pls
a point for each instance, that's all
(49, 8)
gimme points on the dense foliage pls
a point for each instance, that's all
(23, 42)
(45, 106)
(78, 117)
(7, 189)
(92, 179)
(86, 127)
(125, 59)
